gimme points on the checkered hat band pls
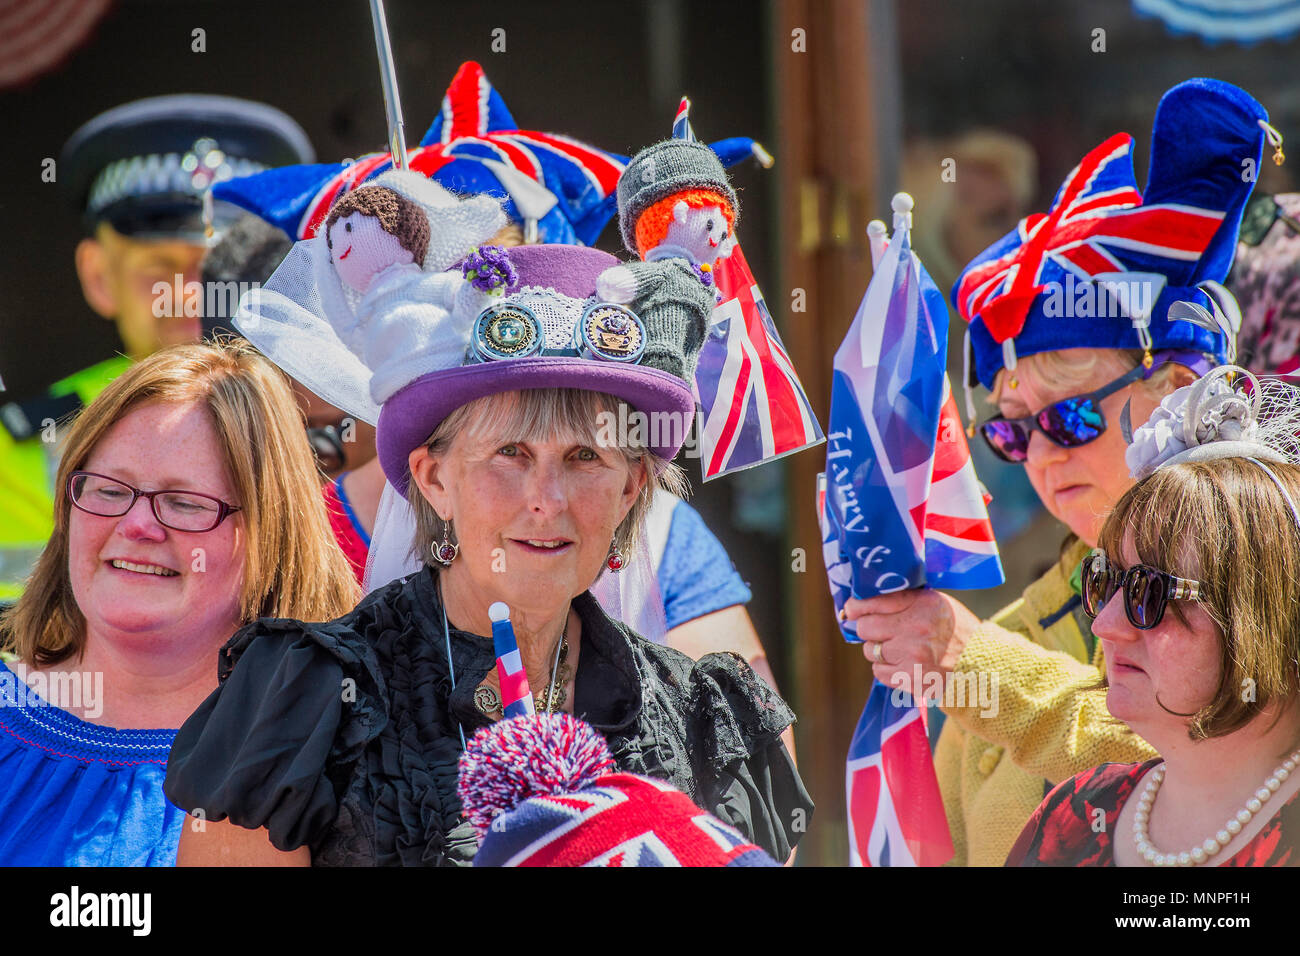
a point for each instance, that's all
(161, 174)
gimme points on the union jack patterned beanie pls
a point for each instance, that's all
(540, 793)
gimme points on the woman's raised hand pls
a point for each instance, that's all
(907, 628)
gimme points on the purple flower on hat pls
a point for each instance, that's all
(705, 276)
(489, 269)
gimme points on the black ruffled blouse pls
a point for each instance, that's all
(344, 737)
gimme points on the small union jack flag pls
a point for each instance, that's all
(753, 407)
(516, 696)
(682, 121)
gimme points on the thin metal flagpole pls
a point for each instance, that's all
(388, 80)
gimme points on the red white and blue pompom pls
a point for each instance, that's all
(515, 760)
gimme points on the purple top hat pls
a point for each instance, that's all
(550, 330)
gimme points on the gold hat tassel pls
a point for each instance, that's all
(1274, 140)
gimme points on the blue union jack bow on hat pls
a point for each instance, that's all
(562, 190)
(1103, 266)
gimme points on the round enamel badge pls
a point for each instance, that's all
(610, 332)
(506, 330)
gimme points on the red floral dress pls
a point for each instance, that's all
(1061, 831)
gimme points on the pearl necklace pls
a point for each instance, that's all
(1207, 850)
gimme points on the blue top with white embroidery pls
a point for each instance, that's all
(73, 793)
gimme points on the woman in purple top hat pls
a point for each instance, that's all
(528, 441)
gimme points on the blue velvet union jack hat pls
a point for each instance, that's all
(1103, 266)
(539, 791)
(560, 190)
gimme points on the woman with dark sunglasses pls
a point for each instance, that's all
(190, 507)
(1075, 332)
(994, 767)
(1195, 591)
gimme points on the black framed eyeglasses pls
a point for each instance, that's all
(179, 510)
(1147, 591)
(1069, 423)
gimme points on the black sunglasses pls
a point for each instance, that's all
(327, 443)
(1147, 591)
(179, 510)
(1261, 213)
(1070, 423)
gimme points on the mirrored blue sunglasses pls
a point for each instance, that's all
(1069, 423)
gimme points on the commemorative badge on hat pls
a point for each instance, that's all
(1106, 265)
(146, 167)
(541, 791)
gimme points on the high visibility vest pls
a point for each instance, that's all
(28, 463)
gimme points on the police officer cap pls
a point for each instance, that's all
(145, 166)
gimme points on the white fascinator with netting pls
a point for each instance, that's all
(1227, 413)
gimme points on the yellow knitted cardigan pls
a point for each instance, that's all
(1050, 723)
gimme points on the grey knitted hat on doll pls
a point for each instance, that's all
(663, 169)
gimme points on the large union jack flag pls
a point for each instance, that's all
(1098, 226)
(900, 508)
